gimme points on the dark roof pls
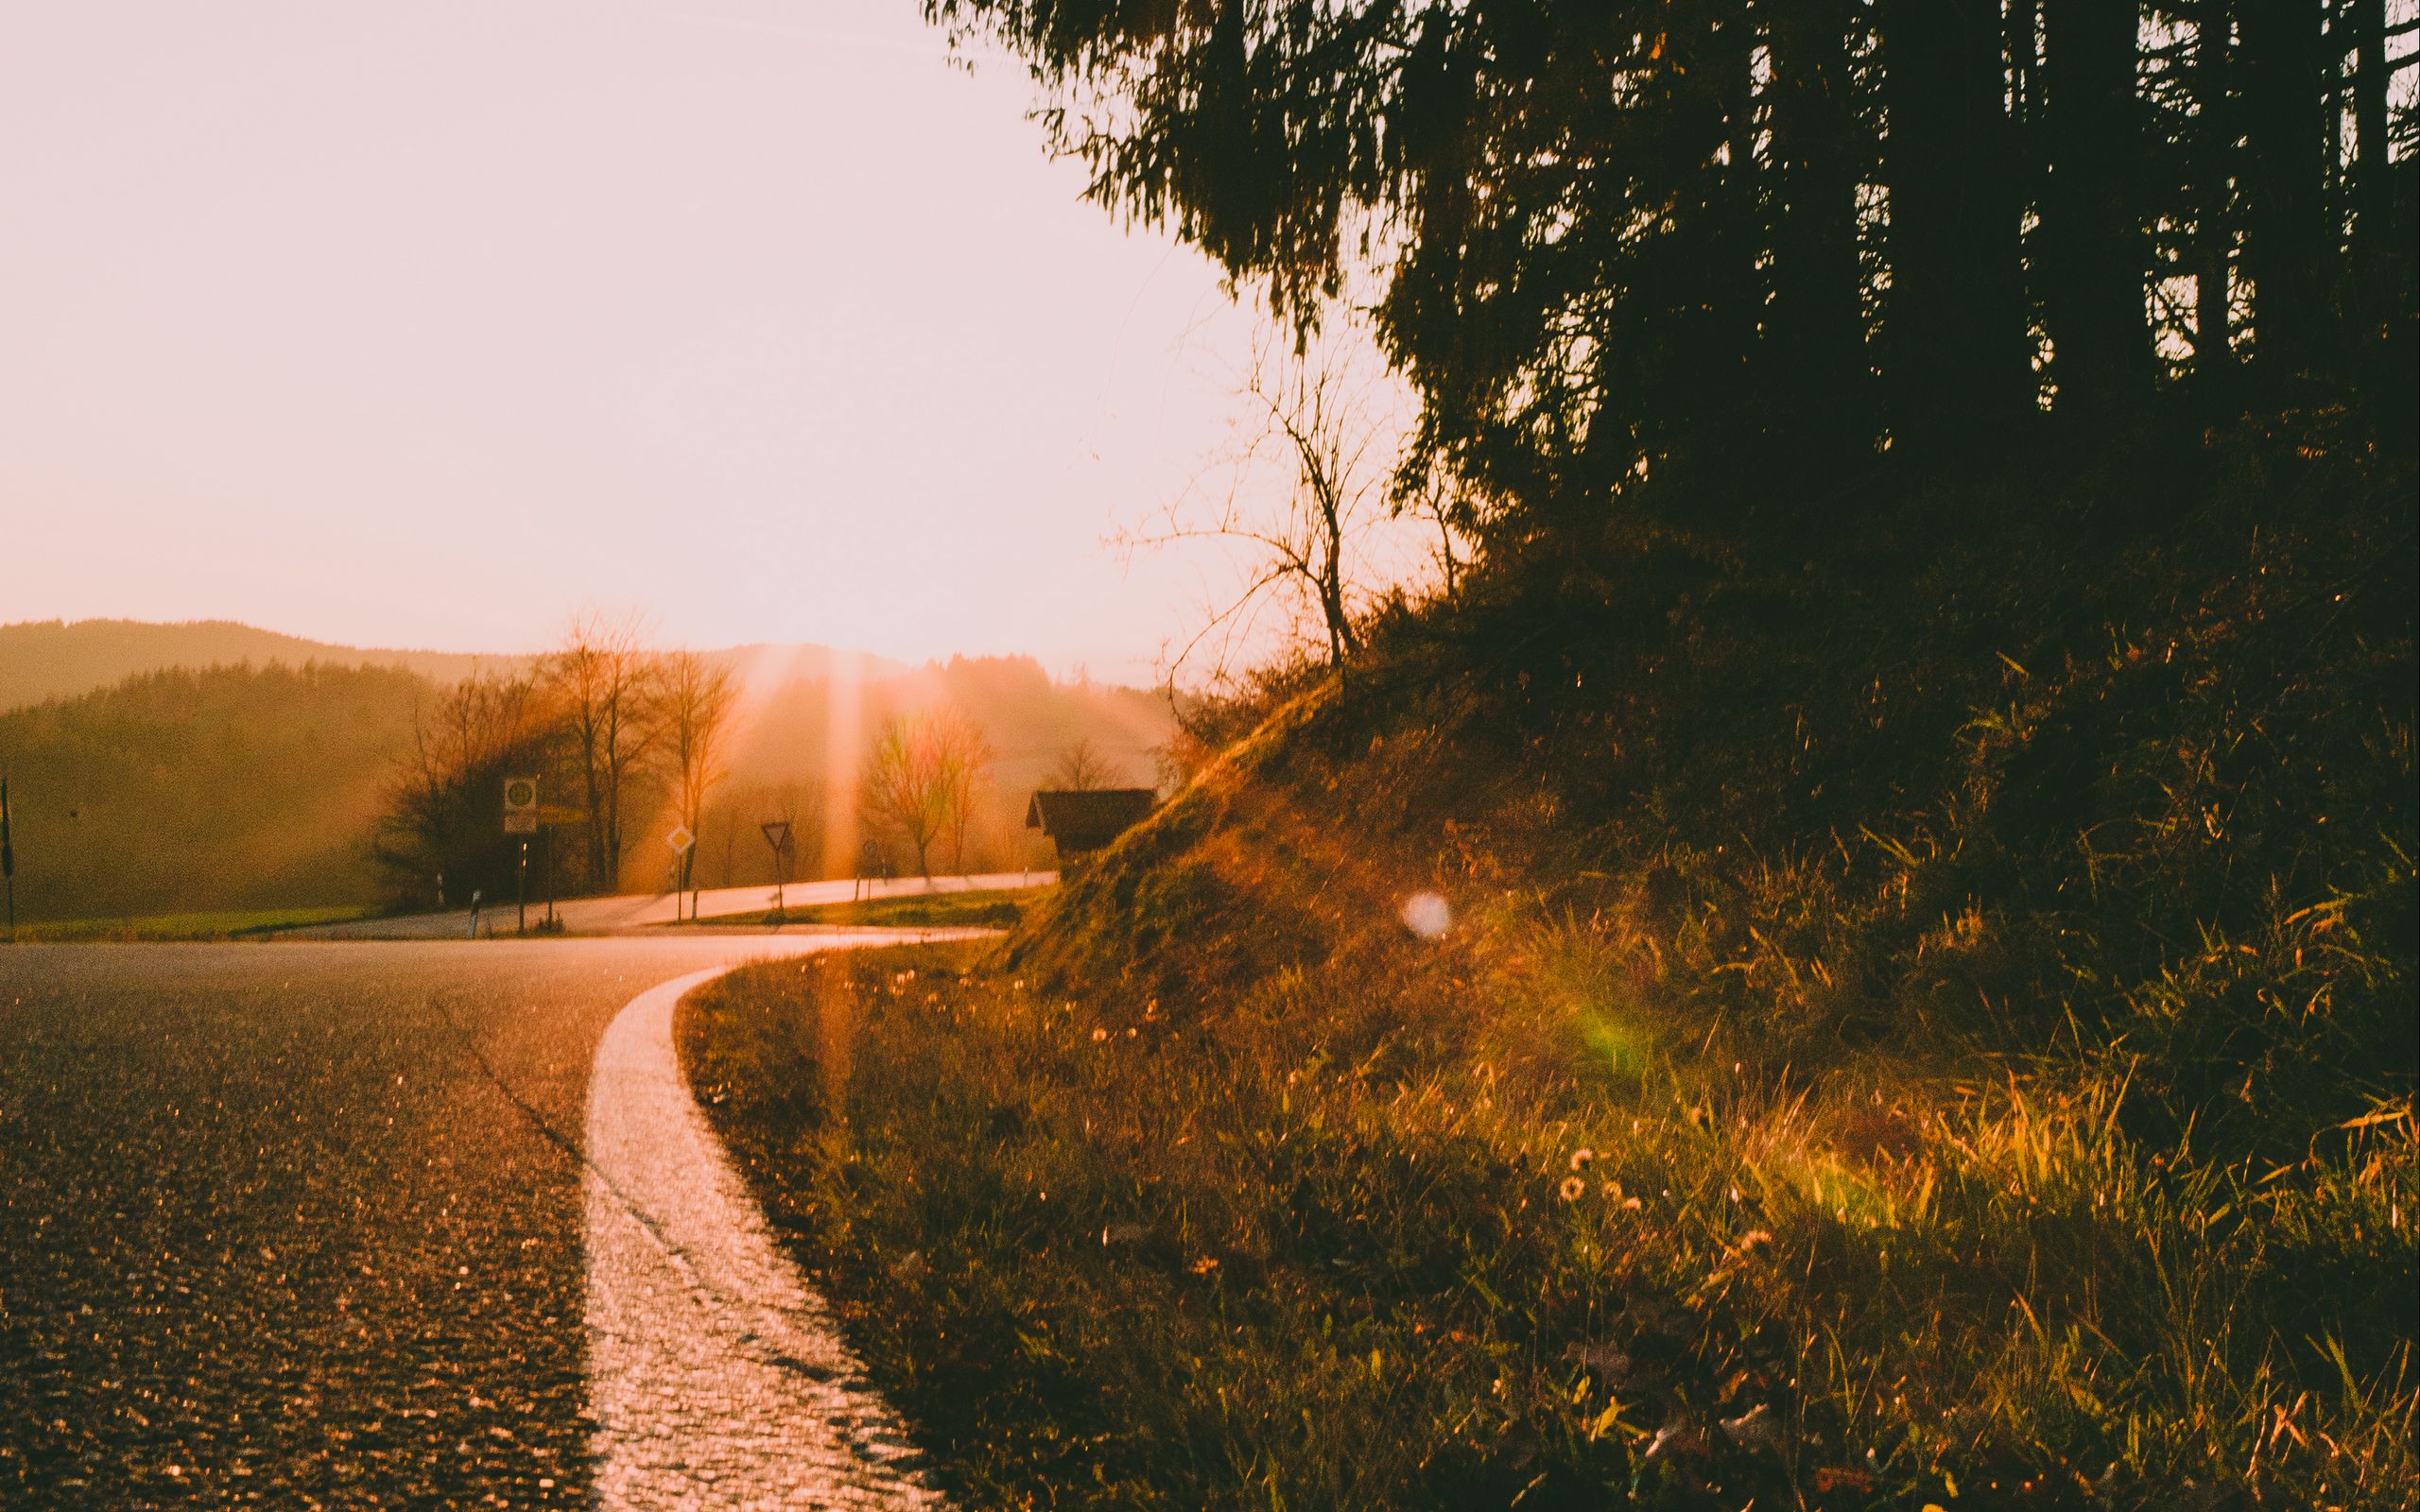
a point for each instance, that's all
(1090, 818)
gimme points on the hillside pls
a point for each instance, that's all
(181, 791)
(1917, 1016)
(53, 659)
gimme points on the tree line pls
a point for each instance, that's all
(1728, 241)
(617, 734)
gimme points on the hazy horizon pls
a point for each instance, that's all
(432, 328)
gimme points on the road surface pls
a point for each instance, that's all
(302, 1224)
(632, 911)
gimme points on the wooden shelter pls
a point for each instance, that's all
(1079, 821)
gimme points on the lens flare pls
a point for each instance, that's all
(1426, 915)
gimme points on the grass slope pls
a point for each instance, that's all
(996, 908)
(238, 925)
(1928, 1019)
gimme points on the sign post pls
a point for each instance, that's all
(521, 819)
(8, 861)
(777, 834)
(683, 842)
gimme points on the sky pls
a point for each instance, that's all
(435, 324)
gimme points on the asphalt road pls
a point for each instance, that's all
(301, 1224)
(606, 916)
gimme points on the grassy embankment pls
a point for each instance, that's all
(1925, 1023)
(227, 925)
(987, 908)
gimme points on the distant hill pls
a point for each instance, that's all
(57, 659)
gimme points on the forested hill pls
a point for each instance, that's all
(57, 659)
(179, 791)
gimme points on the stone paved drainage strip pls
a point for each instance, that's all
(717, 1377)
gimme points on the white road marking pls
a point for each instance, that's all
(717, 1377)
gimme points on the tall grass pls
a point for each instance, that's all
(1302, 1254)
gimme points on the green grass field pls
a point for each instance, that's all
(226, 925)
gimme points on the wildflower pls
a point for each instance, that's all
(1582, 1157)
(1572, 1188)
(1099, 1035)
(1630, 1205)
(1205, 1265)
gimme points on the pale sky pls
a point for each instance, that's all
(430, 324)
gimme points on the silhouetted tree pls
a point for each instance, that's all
(606, 681)
(695, 700)
(1641, 240)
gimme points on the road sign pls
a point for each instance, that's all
(777, 834)
(680, 840)
(520, 805)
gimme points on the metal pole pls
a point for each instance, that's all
(549, 832)
(8, 861)
(520, 893)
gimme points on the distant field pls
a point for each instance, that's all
(225, 925)
(998, 908)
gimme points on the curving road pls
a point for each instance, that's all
(302, 1224)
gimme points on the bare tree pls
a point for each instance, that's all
(606, 681)
(695, 707)
(1449, 516)
(966, 761)
(444, 800)
(1307, 414)
(1082, 769)
(921, 772)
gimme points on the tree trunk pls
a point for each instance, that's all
(595, 804)
(1816, 327)
(2383, 315)
(1959, 353)
(2286, 242)
(2095, 252)
(2213, 161)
